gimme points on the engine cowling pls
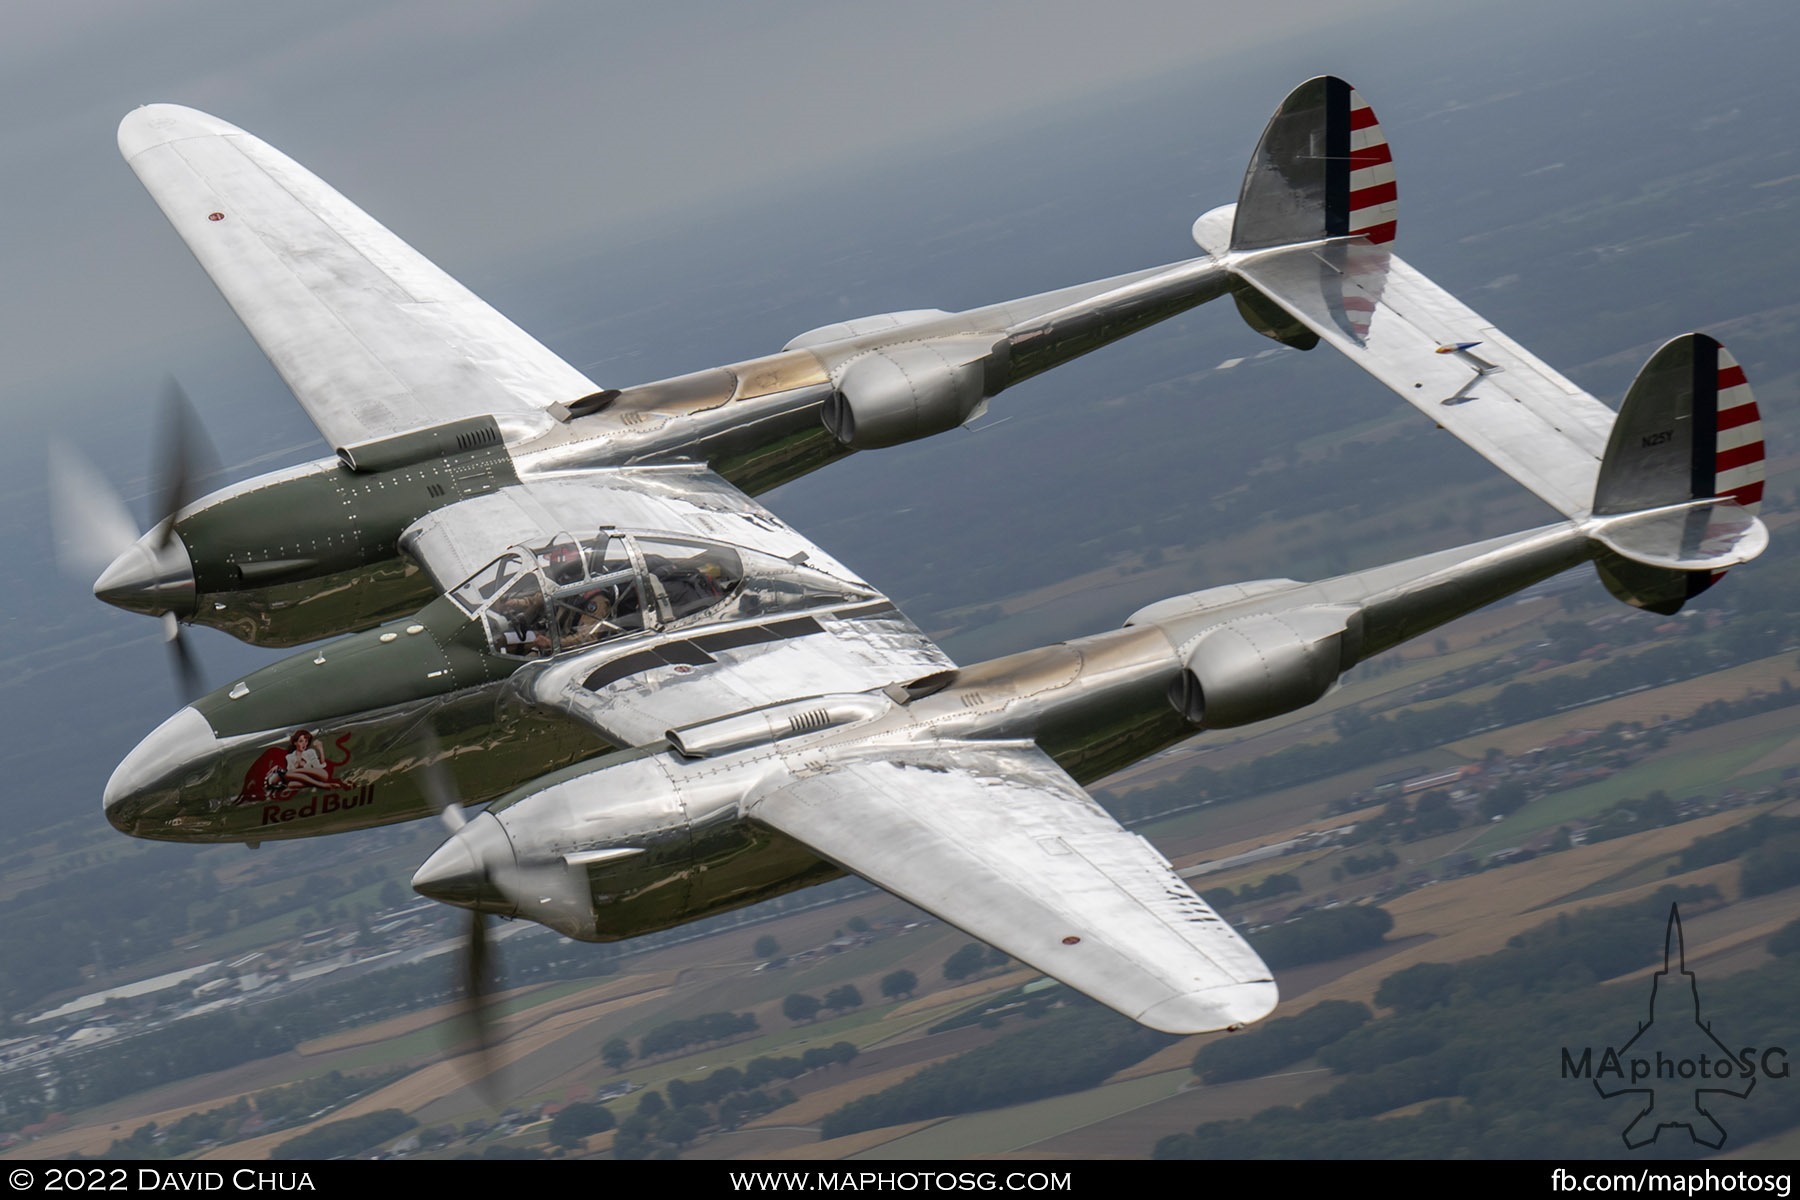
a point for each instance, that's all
(1259, 667)
(899, 393)
(605, 853)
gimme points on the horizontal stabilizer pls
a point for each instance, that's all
(1442, 356)
(1706, 535)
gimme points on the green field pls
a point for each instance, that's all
(1679, 776)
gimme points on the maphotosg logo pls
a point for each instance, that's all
(1674, 1062)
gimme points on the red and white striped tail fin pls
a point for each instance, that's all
(1738, 440)
(1374, 200)
(1322, 170)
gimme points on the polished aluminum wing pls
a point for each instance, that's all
(996, 839)
(372, 338)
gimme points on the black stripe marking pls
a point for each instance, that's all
(1704, 471)
(619, 668)
(1337, 157)
(751, 635)
(1705, 411)
(733, 639)
(693, 652)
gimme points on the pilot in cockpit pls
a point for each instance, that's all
(691, 585)
(526, 629)
(586, 617)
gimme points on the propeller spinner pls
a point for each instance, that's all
(95, 534)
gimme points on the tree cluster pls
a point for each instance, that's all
(579, 1121)
(1281, 883)
(972, 958)
(898, 984)
(1322, 935)
(1074, 1049)
(725, 1099)
(1368, 864)
(675, 1036)
(341, 1139)
(1281, 1042)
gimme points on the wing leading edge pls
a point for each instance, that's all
(996, 839)
(373, 339)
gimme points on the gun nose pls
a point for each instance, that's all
(155, 767)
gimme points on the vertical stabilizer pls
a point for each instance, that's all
(1688, 432)
(1321, 170)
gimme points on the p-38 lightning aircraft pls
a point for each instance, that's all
(559, 599)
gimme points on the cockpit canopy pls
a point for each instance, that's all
(571, 593)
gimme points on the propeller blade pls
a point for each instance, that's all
(187, 457)
(477, 968)
(94, 529)
(437, 782)
(89, 519)
(187, 668)
(477, 985)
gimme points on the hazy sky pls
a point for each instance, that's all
(482, 130)
(501, 137)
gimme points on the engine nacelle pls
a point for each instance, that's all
(901, 393)
(1259, 667)
(602, 854)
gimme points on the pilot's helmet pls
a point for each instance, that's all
(561, 561)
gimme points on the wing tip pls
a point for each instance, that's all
(153, 125)
(1211, 1009)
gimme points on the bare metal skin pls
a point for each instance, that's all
(677, 705)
